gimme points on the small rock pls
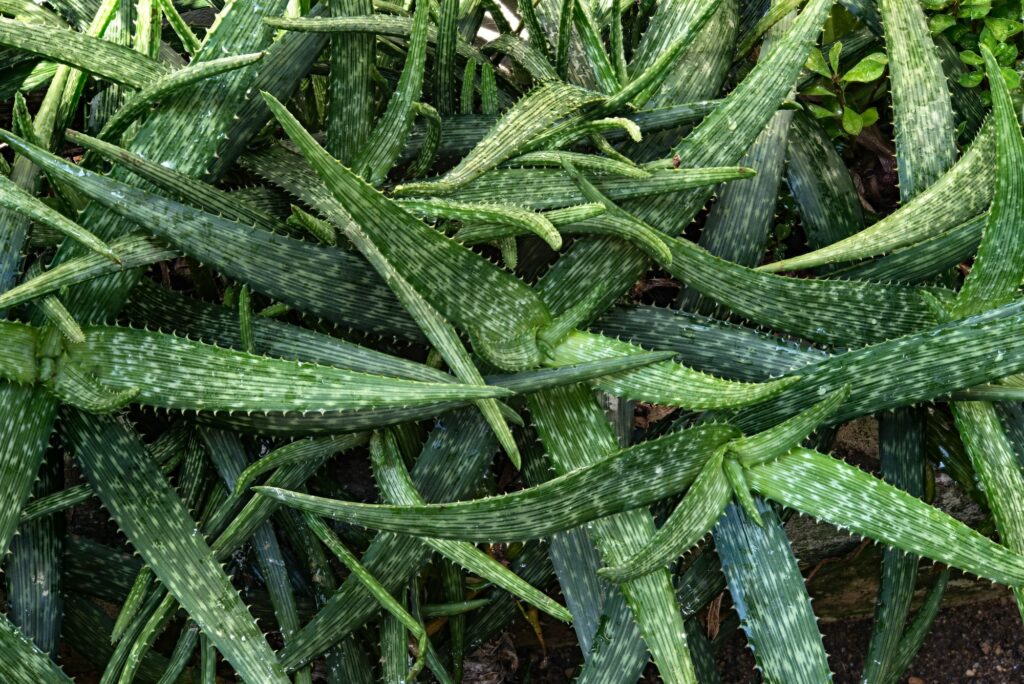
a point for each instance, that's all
(915, 680)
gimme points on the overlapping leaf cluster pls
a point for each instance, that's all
(249, 265)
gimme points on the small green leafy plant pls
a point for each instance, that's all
(844, 102)
(325, 305)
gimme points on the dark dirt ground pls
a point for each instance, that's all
(980, 643)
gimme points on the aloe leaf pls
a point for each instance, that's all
(55, 502)
(549, 188)
(699, 71)
(664, 383)
(901, 442)
(462, 437)
(133, 602)
(61, 97)
(132, 251)
(153, 363)
(232, 529)
(293, 453)
(924, 260)
(871, 312)
(349, 96)
(253, 257)
(922, 109)
(722, 137)
(775, 14)
(565, 35)
(946, 203)
(622, 481)
(593, 47)
(23, 444)
(119, 64)
(526, 220)
(933, 363)
(81, 389)
(646, 237)
(821, 185)
(998, 267)
(768, 590)
(738, 226)
(381, 149)
(843, 495)
(567, 418)
(998, 471)
(147, 634)
(444, 67)
(158, 308)
(228, 457)
(584, 161)
(532, 115)
(921, 624)
(56, 314)
(18, 362)
(547, 378)
(130, 485)
(534, 61)
(509, 343)
(644, 84)
(190, 191)
(181, 655)
(619, 653)
(26, 664)
(379, 592)
(709, 345)
(238, 30)
(779, 439)
(379, 24)
(438, 330)
(183, 78)
(34, 570)
(397, 487)
(690, 522)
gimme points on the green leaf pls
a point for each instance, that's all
(926, 370)
(833, 56)
(132, 251)
(999, 263)
(445, 274)
(380, 151)
(132, 488)
(628, 479)
(777, 440)
(957, 196)
(971, 57)
(816, 63)
(664, 383)
(397, 487)
(155, 92)
(971, 79)
(843, 495)
(25, 663)
(157, 365)
(99, 57)
(867, 69)
(938, 23)
(690, 522)
(438, 330)
(768, 590)
(852, 123)
(532, 115)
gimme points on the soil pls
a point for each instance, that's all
(980, 643)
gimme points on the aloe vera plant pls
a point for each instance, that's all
(309, 245)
